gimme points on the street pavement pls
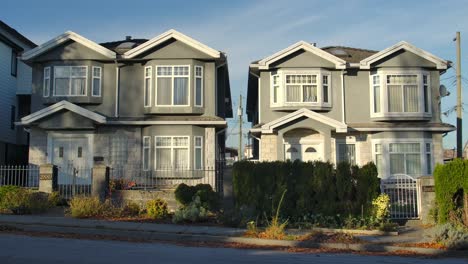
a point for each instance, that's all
(24, 249)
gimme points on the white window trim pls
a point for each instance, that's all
(385, 152)
(384, 91)
(172, 151)
(150, 90)
(195, 85)
(172, 76)
(146, 167)
(201, 152)
(100, 81)
(46, 90)
(272, 85)
(281, 100)
(70, 86)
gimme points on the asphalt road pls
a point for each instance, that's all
(24, 249)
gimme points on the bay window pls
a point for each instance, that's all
(146, 152)
(147, 86)
(97, 74)
(70, 80)
(46, 83)
(300, 88)
(400, 94)
(171, 152)
(198, 86)
(172, 85)
(408, 157)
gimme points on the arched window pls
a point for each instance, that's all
(291, 150)
(311, 150)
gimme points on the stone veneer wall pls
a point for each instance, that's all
(268, 147)
(37, 146)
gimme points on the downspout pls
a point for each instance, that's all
(117, 88)
(343, 115)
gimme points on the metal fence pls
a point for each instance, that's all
(20, 175)
(402, 190)
(134, 177)
(73, 180)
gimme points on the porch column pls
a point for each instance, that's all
(210, 157)
(100, 183)
(326, 145)
(48, 174)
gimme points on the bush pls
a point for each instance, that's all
(451, 183)
(156, 208)
(23, 201)
(130, 209)
(381, 206)
(85, 207)
(313, 188)
(185, 194)
(449, 235)
(193, 212)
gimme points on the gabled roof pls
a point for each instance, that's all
(441, 64)
(349, 54)
(268, 127)
(61, 106)
(167, 36)
(16, 34)
(69, 35)
(301, 45)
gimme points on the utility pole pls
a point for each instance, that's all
(239, 113)
(459, 100)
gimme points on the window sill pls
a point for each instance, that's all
(293, 107)
(401, 117)
(174, 110)
(73, 99)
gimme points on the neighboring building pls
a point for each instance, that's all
(347, 104)
(248, 151)
(136, 104)
(15, 95)
(451, 154)
(231, 155)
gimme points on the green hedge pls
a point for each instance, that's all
(312, 187)
(450, 179)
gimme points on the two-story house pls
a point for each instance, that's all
(347, 104)
(15, 92)
(157, 104)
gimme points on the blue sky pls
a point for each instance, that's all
(249, 30)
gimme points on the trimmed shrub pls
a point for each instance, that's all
(193, 212)
(130, 209)
(156, 208)
(209, 199)
(381, 207)
(451, 184)
(313, 188)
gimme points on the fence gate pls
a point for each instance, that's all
(402, 190)
(73, 180)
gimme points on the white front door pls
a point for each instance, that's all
(72, 156)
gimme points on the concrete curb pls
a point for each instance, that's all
(348, 231)
(187, 237)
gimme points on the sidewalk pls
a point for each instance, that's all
(213, 234)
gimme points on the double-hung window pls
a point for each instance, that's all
(405, 158)
(376, 90)
(172, 85)
(146, 152)
(403, 95)
(347, 153)
(198, 153)
(276, 88)
(198, 85)
(97, 79)
(147, 85)
(70, 80)
(46, 82)
(172, 152)
(301, 88)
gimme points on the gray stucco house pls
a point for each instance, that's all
(15, 95)
(347, 104)
(157, 104)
